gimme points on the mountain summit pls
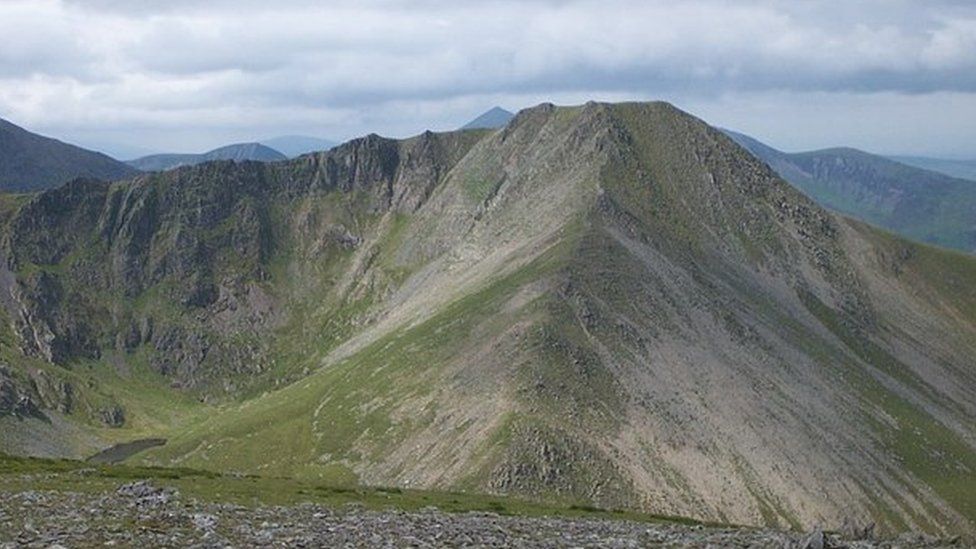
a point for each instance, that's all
(610, 303)
(238, 152)
(493, 118)
(30, 162)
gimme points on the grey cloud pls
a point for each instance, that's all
(144, 64)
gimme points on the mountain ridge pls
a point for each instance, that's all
(237, 152)
(31, 162)
(917, 203)
(963, 169)
(610, 302)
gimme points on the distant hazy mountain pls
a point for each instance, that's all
(297, 145)
(914, 202)
(30, 162)
(237, 152)
(496, 117)
(963, 169)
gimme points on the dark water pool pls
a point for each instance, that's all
(125, 450)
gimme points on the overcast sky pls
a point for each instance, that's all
(130, 76)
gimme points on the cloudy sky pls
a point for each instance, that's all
(131, 76)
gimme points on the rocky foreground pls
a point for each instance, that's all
(140, 514)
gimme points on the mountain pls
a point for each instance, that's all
(916, 203)
(609, 303)
(238, 152)
(30, 162)
(297, 145)
(493, 118)
(963, 169)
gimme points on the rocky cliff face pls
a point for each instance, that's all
(179, 262)
(606, 302)
(14, 400)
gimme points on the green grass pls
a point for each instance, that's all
(21, 474)
(152, 408)
(307, 283)
(942, 276)
(951, 274)
(928, 449)
(342, 414)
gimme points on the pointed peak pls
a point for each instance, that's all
(493, 118)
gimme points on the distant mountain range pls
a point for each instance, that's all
(963, 169)
(237, 152)
(496, 117)
(297, 145)
(918, 203)
(31, 162)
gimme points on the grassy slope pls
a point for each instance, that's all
(21, 474)
(338, 394)
(924, 298)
